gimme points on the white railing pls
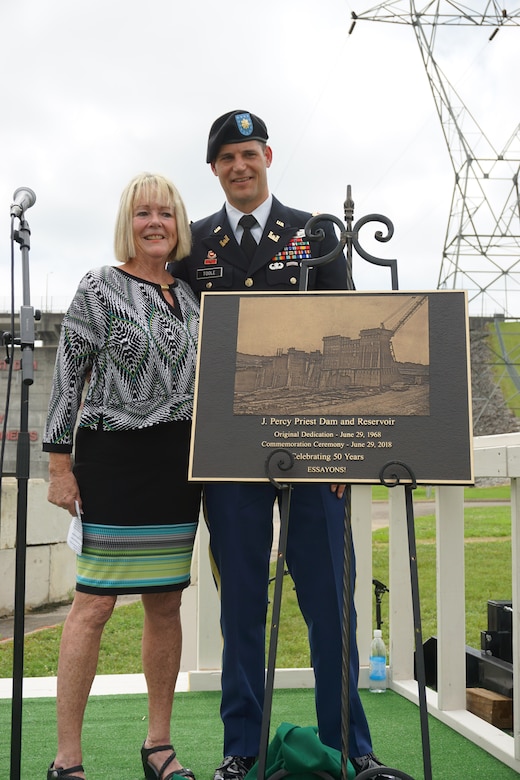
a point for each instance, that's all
(494, 456)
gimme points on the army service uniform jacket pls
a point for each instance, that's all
(315, 540)
(218, 264)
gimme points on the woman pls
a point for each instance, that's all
(132, 331)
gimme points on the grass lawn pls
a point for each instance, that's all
(488, 576)
(424, 493)
(510, 332)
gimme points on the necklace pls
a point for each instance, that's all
(164, 286)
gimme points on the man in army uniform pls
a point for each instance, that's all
(256, 243)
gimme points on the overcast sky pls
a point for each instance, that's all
(94, 92)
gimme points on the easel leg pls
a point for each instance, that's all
(275, 624)
(392, 479)
(419, 650)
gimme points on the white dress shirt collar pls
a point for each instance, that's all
(261, 213)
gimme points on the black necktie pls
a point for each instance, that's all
(248, 242)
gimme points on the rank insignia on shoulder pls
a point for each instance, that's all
(211, 258)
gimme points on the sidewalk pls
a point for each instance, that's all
(38, 687)
(53, 615)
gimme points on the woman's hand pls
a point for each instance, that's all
(63, 488)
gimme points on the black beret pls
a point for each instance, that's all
(233, 128)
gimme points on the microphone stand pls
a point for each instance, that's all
(26, 343)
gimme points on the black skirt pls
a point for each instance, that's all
(140, 513)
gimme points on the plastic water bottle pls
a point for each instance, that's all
(377, 664)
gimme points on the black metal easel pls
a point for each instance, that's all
(348, 240)
(284, 463)
(391, 475)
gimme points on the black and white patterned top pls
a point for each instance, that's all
(140, 352)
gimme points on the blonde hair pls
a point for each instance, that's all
(150, 186)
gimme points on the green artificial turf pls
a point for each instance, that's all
(115, 727)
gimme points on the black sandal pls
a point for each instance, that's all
(151, 773)
(53, 774)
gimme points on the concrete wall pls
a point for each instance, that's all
(50, 575)
(51, 564)
(47, 331)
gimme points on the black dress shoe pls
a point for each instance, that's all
(363, 763)
(234, 768)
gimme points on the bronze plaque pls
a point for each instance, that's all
(333, 387)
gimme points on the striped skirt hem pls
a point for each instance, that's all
(135, 559)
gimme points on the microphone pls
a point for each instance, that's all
(24, 198)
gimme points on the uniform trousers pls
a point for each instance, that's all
(241, 533)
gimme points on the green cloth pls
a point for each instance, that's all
(299, 751)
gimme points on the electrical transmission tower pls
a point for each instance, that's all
(482, 245)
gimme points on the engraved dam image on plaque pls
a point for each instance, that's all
(333, 356)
